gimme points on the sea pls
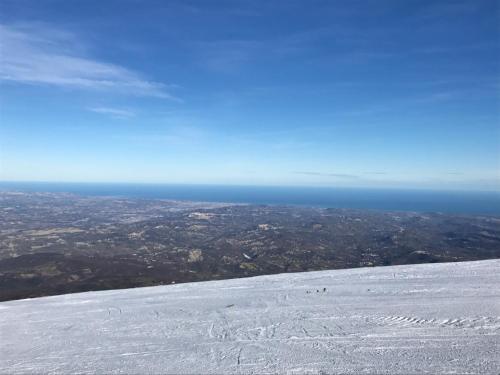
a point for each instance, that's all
(460, 202)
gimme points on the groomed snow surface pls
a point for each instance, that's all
(434, 318)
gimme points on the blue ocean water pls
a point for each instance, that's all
(379, 199)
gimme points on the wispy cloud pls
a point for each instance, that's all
(435, 10)
(183, 136)
(337, 175)
(227, 55)
(113, 112)
(38, 55)
(230, 55)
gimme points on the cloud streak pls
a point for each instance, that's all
(37, 55)
(321, 174)
(113, 112)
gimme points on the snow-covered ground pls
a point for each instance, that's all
(435, 318)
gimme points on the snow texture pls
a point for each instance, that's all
(434, 318)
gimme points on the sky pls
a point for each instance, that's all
(361, 93)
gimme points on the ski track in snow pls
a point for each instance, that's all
(435, 318)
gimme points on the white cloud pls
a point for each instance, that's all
(329, 174)
(37, 55)
(113, 112)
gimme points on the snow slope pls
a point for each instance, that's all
(408, 319)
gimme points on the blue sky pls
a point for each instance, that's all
(373, 93)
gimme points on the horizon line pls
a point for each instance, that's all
(409, 188)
